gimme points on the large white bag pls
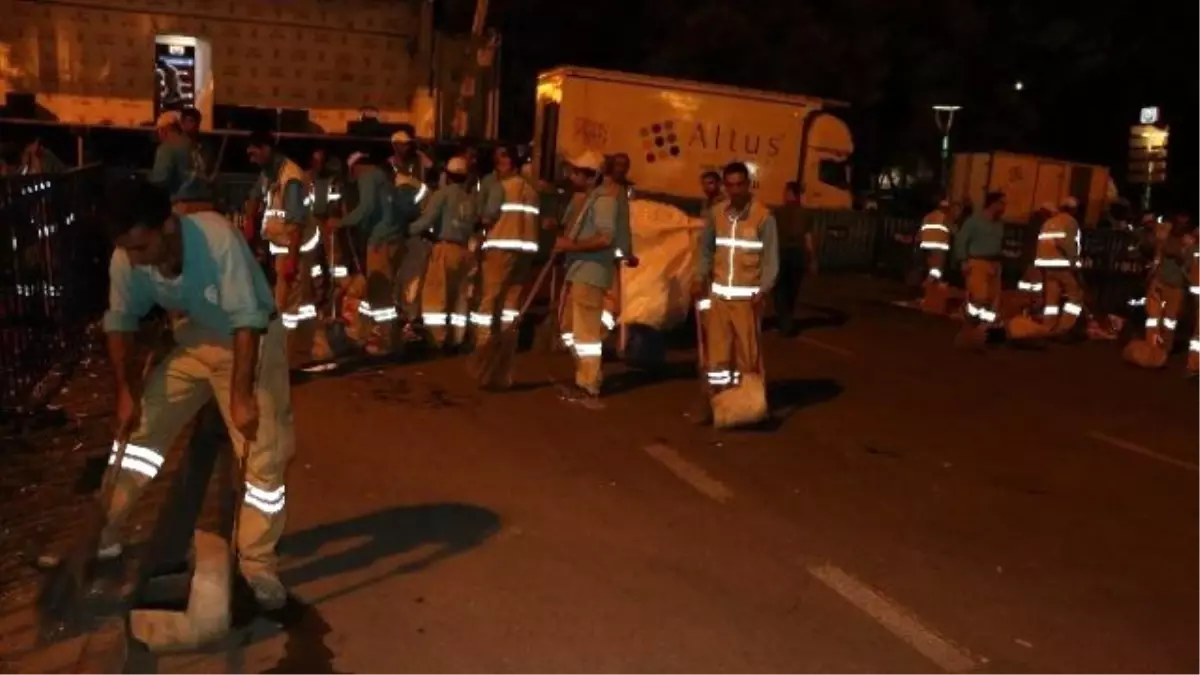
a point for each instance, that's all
(666, 242)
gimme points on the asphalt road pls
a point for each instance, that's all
(914, 509)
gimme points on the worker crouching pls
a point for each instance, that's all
(588, 245)
(449, 222)
(229, 344)
(738, 265)
(980, 245)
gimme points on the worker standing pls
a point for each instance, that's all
(588, 242)
(409, 166)
(1058, 259)
(979, 246)
(1193, 258)
(178, 168)
(449, 221)
(374, 223)
(510, 217)
(1032, 285)
(738, 265)
(293, 239)
(934, 243)
(710, 187)
(1166, 291)
(617, 185)
(229, 344)
(797, 257)
(324, 200)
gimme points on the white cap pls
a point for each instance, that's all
(1070, 203)
(1048, 207)
(457, 165)
(167, 119)
(588, 160)
(401, 137)
(354, 158)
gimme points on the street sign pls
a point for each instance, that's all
(1148, 150)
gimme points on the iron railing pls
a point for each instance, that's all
(53, 270)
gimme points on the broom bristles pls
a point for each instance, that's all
(494, 366)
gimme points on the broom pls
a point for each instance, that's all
(61, 597)
(494, 360)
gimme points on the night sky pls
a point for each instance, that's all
(1086, 68)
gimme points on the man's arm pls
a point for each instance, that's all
(248, 313)
(160, 174)
(492, 203)
(128, 302)
(604, 217)
(962, 241)
(366, 202)
(293, 202)
(708, 246)
(770, 254)
(428, 220)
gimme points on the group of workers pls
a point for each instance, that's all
(1055, 294)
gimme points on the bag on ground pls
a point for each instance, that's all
(1025, 327)
(1145, 354)
(741, 405)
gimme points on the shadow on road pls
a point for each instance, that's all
(788, 396)
(815, 316)
(628, 380)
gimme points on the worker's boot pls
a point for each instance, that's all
(269, 591)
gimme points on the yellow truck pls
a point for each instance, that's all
(1029, 181)
(675, 130)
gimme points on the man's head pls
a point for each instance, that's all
(139, 220)
(1070, 206)
(316, 163)
(618, 167)
(791, 192)
(261, 148)
(168, 124)
(584, 168)
(994, 204)
(505, 160)
(404, 142)
(456, 170)
(190, 120)
(736, 177)
(710, 183)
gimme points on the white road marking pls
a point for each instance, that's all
(690, 473)
(1145, 452)
(844, 353)
(896, 619)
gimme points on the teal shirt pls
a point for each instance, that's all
(221, 288)
(177, 169)
(373, 215)
(1172, 270)
(450, 215)
(594, 268)
(979, 237)
(491, 198)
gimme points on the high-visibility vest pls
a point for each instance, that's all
(403, 179)
(1058, 243)
(275, 227)
(737, 258)
(517, 227)
(935, 232)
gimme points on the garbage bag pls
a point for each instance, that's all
(741, 405)
(1145, 354)
(666, 241)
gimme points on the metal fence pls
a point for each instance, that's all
(53, 268)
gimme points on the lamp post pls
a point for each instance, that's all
(943, 116)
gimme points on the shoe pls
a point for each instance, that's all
(269, 591)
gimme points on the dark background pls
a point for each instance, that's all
(1087, 68)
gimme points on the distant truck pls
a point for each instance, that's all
(1029, 181)
(675, 130)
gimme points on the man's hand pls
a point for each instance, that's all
(243, 411)
(129, 413)
(549, 223)
(563, 244)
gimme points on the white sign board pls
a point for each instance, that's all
(1149, 115)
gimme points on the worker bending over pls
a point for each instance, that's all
(229, 344)
(980, 245)
(934, 243)
(588, 242)
(373, 221)
(178, 167)
(1057, 258)
(737, 267)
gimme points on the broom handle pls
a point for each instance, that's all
(533, 290)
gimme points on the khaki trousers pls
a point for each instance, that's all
(197, 369)
(583, 332)
(377, 312)
(449, 264)
(983, 291)
(297, 303)
(1063, 300)
(732, 334)
(503, 275)
(1162, 313)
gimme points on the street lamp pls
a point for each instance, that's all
(943, 116)
(1018, 85)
